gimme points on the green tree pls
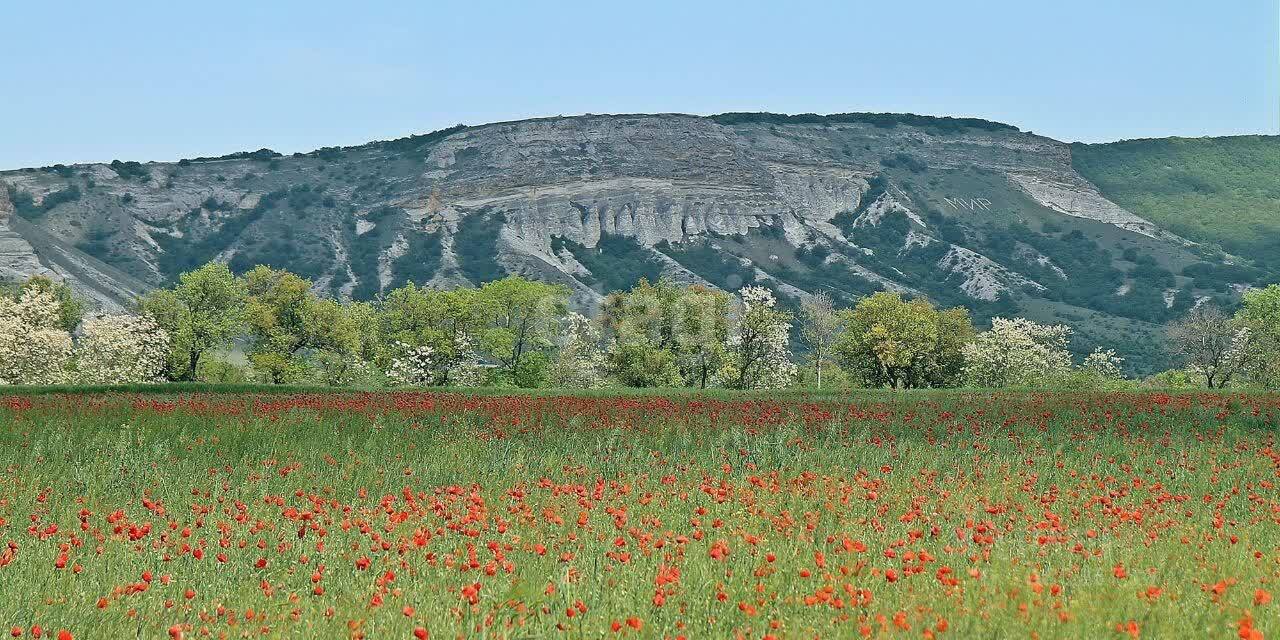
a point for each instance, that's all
(646, 313)
(449, 322)
(289, 326)
(1260, 313)
(702, 332)
(637, 364)
(524, 322)
(666, 335)
(955, 330)
(205, 311)
(903, 343)
(642, 324)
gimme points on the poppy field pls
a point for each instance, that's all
(446, 515)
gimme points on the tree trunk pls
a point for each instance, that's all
(742, 373)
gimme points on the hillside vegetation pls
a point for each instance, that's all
(1223, 191)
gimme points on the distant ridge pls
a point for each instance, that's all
(964, 211)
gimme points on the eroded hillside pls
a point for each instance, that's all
(962, 211)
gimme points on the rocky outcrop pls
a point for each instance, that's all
(26, 250)
(1075, 197)
(884, 205)
(982, 278)
(18, 259)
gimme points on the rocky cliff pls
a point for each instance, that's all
(962, 211)
(26, 250)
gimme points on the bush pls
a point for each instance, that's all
(25, 206)
(905, 161)
(183, 255)
(617, 262)
(213, 204)
(420, 261)
(270, 367)
(97, 242)
(717, 267)
(130, 170)
(23, 203)
(341, 370)
(1175, 379)
(833, 378)
(932, 124)
(218, 371)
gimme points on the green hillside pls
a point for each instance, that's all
(1219, 191)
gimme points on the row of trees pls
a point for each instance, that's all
(888, 341)
(508, 332)
(268, 325)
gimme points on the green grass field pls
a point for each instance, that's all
(233, 512)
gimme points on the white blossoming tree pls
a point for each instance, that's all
(1103, 369)
(34, 348)
(1104, 364)
(579, 363)
(465, 368)
(1216, 346)
(424, 366)
(1017, 352)
(414, 366)
(758, 354)
(821, 325)
(121, 349)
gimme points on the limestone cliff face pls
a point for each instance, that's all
(26, 250)
(17, 256)
(674, 177)
(652, 178)
(842, 203)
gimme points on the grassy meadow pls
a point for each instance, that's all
(237, 513)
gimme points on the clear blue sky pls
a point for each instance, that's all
(94, 81)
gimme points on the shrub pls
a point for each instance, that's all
(121, 349)
(905, 161)
(130, 170)
(477, 246)
(219, 371)
(617, 262)
(24, 203)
